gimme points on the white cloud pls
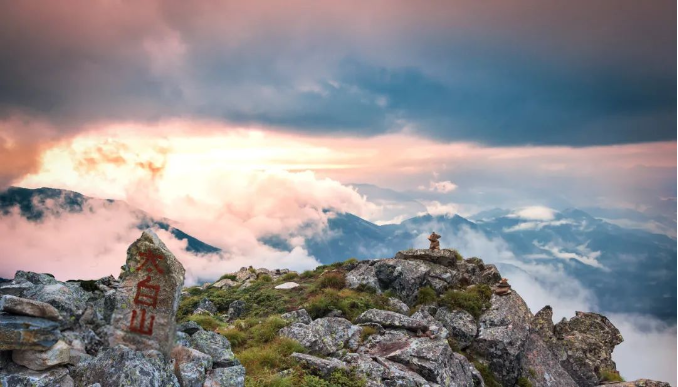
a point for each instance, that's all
(534, 213)
(586, 256)
(536, 225)
(440, 186)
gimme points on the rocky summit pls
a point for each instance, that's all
(422, 318)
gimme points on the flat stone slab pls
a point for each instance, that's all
(445, 257)
(59, 353)
(20, 332)
(25, 307)
(287, 285)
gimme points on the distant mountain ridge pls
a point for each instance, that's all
(629, 270)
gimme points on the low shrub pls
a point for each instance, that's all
(473, 300)
(426, 296)
(331, 280)
(232, 277)
(337, 379)
(290, 276)
(523, 382)
(264, 278)
(263, 362)
(367, 332)
(208, 323)
(308, 274)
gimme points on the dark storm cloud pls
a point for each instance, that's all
(575, 73)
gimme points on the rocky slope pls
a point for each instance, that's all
(423, 318)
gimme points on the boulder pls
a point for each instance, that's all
(638, 383)
(20, 332)
(379, 371)
(460, 324)
(13, 375)
(398, 306)
(57, 354)
(216, 346)
(503, 332)
(584, 345)
(225, 283)
(325, 336)
(363, 275)
(68, 298)
(190, 366)
(206, 304)
(226, 377)
(189, 327)
(319, 366)
(183, 339)
(287, 285)
(26, 307)
(121, 366)
(297, 316)
(432, 359)
(235, 310)
(148, 296)
(541, 367)
(389, 319)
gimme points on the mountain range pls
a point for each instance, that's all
(628, 270)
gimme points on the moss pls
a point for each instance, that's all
(523, 382)
(487, 374)
(426, 296)
(610, 376)
(473, 300)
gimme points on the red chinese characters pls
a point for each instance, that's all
(146, 295)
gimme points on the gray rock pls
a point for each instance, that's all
(235, 310)
(206, 304)
(639, 383)
(190, 366)
(189, 327)
(380, 372)
(300, 316)
(460, 324)
(444, 257)
(435, 327)
(325, 336)
(502, 335)
(389, 319)
(584, 345)
(541, 367)
(148, 296)
(398, 306)
(216, 346)
(19, 332)
(13, 375)
(25, 307)
(182, 339)
(363, 274)
(319, 366)
(432, 359)
(14, 288)
(225, 283)
(121, 366)
(226, 377)
(56, 355)
(68, 298)
(34, 278)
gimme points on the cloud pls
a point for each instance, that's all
(584, 255)
(524, 226)
(534, 213)
(442, 186)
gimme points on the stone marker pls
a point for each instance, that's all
(20, 332)
(148, 297)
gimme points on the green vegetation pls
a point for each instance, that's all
(350, 302)
(367, 332)
(610, 376)
(487, 374)
(289, 277)
(426, 296)
(523, 382)
(264, 278)
(337, 379)
(331, 280)
(207, 322)
(232, 277)
(473, 300)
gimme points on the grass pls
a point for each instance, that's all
(350, 302)
(232, 277)
(610, 376)
(487, 374)
(523, 382)
(331, 280)
(289, 277)
(426, 296)
(366, 332)
(473, 300)
(208, 323)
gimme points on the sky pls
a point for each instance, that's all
(245, 119)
